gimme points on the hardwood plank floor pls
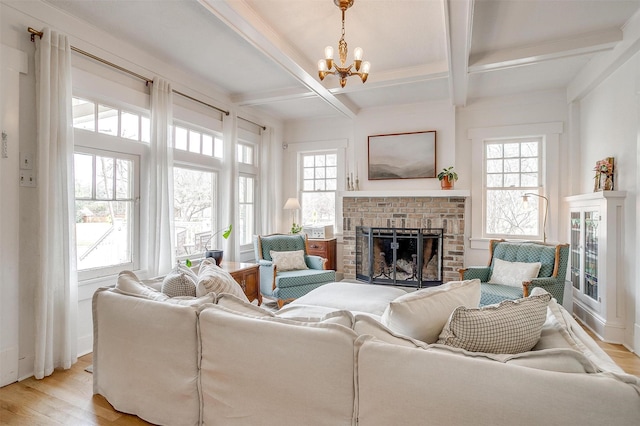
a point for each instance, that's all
(66, 397)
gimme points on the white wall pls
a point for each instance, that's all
(14, 63)
(18, 292)
(609, 125)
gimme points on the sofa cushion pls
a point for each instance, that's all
(513, 273)
(354, 297)
(212, 278)
(237, 304)
(301, 373)
(366, 325)
(288, 260)
(511, 327)
(422, 314)
(146, 357)
(304, 277)
(180, 282)
(129, 284)
(192, 301)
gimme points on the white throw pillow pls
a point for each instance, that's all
(422, 313)
(511, 327)
(129, 284)
(513, 273)
(288, 260)
(213, 279)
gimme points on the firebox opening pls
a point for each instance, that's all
(409, 257)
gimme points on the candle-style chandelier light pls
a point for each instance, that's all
(328, 66)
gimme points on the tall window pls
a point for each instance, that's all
(105, 193)
(246, 208)
(197, 154)
(319, 184)
(194, 215)
(512, 168)
(109, 142)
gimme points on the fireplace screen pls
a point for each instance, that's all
(399, 256)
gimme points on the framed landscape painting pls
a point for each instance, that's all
(402, 156)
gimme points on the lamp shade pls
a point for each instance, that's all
(292, 204)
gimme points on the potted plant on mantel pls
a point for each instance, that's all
(447, 177)
(217, 254)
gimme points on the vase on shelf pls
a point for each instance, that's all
(606, 182)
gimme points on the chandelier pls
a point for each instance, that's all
(327, 66)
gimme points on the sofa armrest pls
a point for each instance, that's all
(267, 276)
(315, 262)
(480, 272)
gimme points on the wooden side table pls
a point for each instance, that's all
(247, 276)
(324, 248)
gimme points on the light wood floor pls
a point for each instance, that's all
(66, 397)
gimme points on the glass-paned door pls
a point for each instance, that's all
(576, 245)
(591, 221)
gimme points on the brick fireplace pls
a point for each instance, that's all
(438, 209)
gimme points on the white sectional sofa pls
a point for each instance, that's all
(329, 359)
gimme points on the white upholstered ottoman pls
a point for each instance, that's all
(354, 297)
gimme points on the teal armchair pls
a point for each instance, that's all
(551, 277)
(285, 286)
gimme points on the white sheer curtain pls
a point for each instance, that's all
(56, 293)
(160, 219)
(268, 193)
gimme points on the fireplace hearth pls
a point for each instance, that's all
(410, 257)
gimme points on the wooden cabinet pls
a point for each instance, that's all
(595, 234)
(248, 276)
(324, 248)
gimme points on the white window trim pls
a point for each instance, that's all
(293, 154)
(550, 133)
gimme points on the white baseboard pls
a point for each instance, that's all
(85, 345)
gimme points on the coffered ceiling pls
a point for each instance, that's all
(263, 53)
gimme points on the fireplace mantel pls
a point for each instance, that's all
(453, 193)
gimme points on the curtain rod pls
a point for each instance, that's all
(253, 122)
(147, 80)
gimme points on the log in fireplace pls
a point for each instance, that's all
(410, 257)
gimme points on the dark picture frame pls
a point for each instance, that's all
(402, 155)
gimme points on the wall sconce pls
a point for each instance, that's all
(525, 203)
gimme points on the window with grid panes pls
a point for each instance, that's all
(107, 180)
(512, 168)
(318, 188)
(106, 214)
(246, 208)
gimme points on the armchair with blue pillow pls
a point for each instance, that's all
(286, 270)
(517, 267)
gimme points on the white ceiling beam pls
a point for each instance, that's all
(458, 18)
(600, 67)
(276, 95)
(245, 22)
(584, 44)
